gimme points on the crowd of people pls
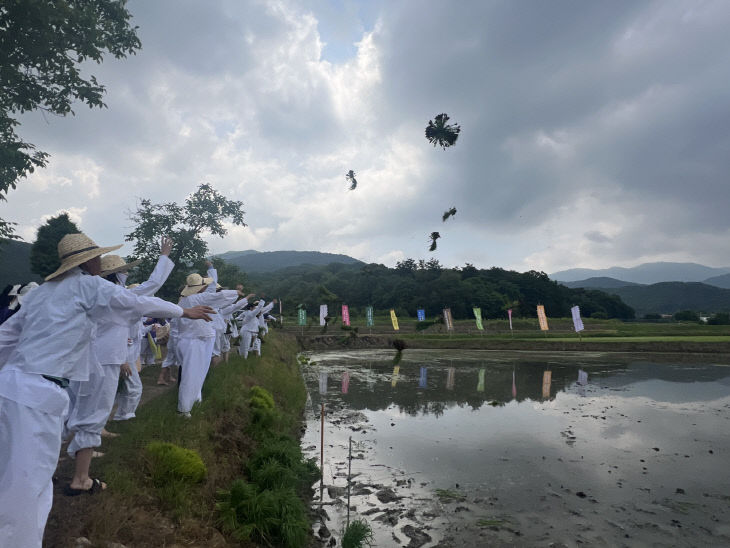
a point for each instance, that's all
(64, 345)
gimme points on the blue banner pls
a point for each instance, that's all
(421, 315)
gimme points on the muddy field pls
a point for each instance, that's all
(486, 448)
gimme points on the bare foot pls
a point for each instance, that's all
(106, 434)
(97, 454)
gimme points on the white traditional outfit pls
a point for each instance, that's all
(172, 358)
(128, 397)
(43, 347)
(195, 340)
(93, 399)
(249, 327)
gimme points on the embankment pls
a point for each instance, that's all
(137, 509)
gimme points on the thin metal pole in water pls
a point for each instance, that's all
(349, 473)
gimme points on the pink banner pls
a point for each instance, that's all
(345, 382)
(509, 314)
(345, 314)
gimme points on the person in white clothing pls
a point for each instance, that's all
(93, 399)
(195, 340)
(128, 397)
(222, 346)
(172, 357)
(249, 327)
(43, 347)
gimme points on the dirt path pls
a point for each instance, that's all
(65, 522)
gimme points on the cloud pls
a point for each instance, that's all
(593, 134)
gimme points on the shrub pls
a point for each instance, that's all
(263, 411)
(721, 318)
(687, 316)
(169, 462)
(271, 516)
(261, 398)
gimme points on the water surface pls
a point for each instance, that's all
(477, 448)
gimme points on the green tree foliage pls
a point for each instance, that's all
(203, 212)
(44, 251)
(42, 46)
(687, 316)
(427, 284)
(721, 318)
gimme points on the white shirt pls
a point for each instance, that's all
(249, 321)
(110, 344)
(210, 297)
(51, 334)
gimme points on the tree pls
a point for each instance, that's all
(687, 316)
(44, 251)
(204, 212)
(42, 45)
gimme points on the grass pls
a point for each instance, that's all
(244, 402)
(449, 495)
(358, 534)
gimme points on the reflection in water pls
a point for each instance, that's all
(582, 377)
(547, 378)
(450, 378)
(645, 447)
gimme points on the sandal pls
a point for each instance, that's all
(96, 487)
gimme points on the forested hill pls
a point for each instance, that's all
(672, 297)
(267, 261)
(412, 285)
(15, 264)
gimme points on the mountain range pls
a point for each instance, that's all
(650, 273)
(268, 261)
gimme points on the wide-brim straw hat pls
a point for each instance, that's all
(76, 249)
(193, 283)
(111, 264)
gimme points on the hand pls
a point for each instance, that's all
(165, 246)
(126, 370)
(198, 313)
(250, 295)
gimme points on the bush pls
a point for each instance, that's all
(652, 316)
(263, 410)
(271, 516)
(169, 462)
(282, 453)
(721, 318)
(687, 316)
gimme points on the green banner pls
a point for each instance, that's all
(478, 316)
(302, 316)
(369, 322)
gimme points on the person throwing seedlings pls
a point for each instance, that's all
(42, 348)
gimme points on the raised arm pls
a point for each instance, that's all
(160, 273)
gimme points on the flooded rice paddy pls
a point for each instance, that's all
(485, 448)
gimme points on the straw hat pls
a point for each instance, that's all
(114, 263)
(75, 249)
(193, 283)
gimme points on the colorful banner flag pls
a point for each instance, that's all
(396, 374)
(480, 384)
(421, 314)
(422, 381)
(369, 320)
(509, 315)
(582, 377)
(302, 316)
(450, 378)
(542, 318)
(478, 317)
(547, 378)
(577, 322)
(345, 314)
(322, 314)
(394, 319)
(448, 320)
(345, 382)
(323, 382)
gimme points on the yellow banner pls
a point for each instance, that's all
(542, 318)
(394, 319)
(396, 374)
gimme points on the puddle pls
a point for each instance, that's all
(476, 448)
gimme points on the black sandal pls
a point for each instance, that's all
(95, 488)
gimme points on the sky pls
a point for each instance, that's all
(593, 134)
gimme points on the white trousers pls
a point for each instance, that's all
(225, 343)
(195, 354)
(30, 441)
(245, 344)
(93, 402)
(128, 398)
(171, 358)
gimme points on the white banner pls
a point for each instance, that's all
(322, 314)
(577, 322)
